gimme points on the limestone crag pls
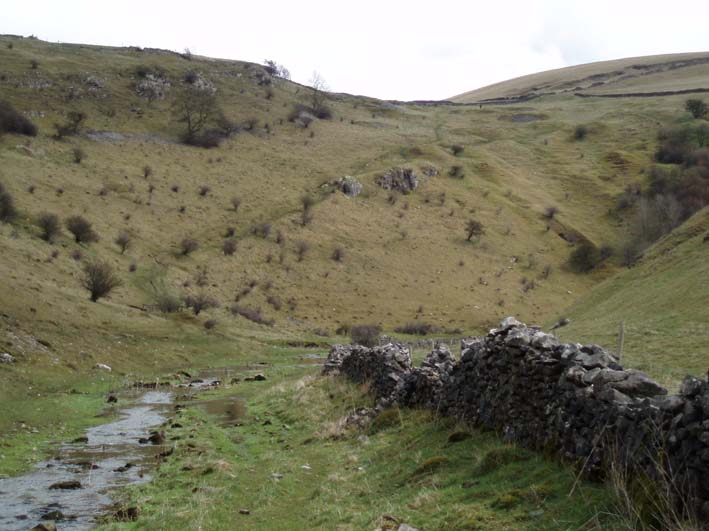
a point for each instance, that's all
(573, 400)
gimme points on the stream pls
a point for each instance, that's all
(111, 457)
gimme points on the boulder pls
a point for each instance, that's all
(6, 357)
(402, 180)
(348, 185)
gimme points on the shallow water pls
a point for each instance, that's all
(99, 465)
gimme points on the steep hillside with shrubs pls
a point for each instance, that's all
(213, 199)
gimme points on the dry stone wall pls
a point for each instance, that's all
(572, 400)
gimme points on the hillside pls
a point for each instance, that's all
(662, 301)
(543, 178)
(656, 73)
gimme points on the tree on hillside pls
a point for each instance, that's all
(318, 97)
(697, 107)
(275, 69)
(474, 228)
(99, 279)
(195, 107)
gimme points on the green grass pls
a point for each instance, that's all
(663, 303)
(348, 480)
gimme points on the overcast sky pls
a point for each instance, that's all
(387, 49)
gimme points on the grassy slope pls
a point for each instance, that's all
(513, 171)
(604, 77)
(663, 301)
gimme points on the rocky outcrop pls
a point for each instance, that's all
(348, 185)
(573, 400)
(402, 180)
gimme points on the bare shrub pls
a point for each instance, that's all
(417, 328)
(8, 212)
(338, 254)
(71, 126)
(147, 171)
(307, 201)
(301, 248)
(580, 132)
(78, 154)
(200, 302)
(697, 107)
(50, 225)
(546, 271)
(584, 258)
(167, 302)
(262, 230)
(275, 302)
(457, 149)
(76, 254)
(12, 121)
(99, 279)
(123, 240)
(230, 231)
(236, 203)
(366, 335)
(210, 323)
(550, 212)
(82, 229)
(456, 172)
(229, 247)
(188, 246)
(252, 314)
(204, 190)
(133, 267)
(474, 228)
(175, 188)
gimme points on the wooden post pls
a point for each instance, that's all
(621, 339)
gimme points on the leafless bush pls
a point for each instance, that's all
(230, 231)
(204, 190)
(236, 203)
(456, 172)
(71, 126)
(546, 271)
(301, 248)
(99, 279)
(275, 302)
(167, 302)
(8, 212)
(550, 212)
(307, 201)
(133, 267)
(123, 240)
(229, 247)
(210, 323)
(200, 302)
(584, 258)
(188, 246)
(50, 225)
(338, 254)
(78, 154)
(147, 171)
(76, 254)
(417, 328)
(457, 149)
(474, 228)
(262, 230)
(201, 277)
(252, 314)
(366, 335)
(12, 121)
(81, 229)
(175, 188)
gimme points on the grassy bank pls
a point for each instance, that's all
(289, 463)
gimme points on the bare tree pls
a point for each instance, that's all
(318, 96)
(123, 240)
(195, 107)
(99, 279)
(474, 228)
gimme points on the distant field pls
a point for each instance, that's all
(636, 74)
